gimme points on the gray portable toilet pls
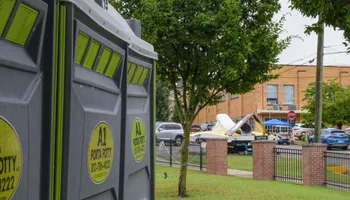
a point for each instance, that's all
(22, 112)
(90, 57)
(138, 138)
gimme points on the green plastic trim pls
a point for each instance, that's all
(92, 54)
(59, 75)
(102, 65)
(137, 75)
(6, 8)
(60, 101)
(82, 44)
(143, 76)
(129, 66)
(131, 72)
(22, 24)
(54, 108)
(113, 65)
(154, 114)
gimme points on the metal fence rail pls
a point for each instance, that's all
(338, 170)
(288, 165)
(169, 153)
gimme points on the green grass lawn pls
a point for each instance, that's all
(209, 187)
(240, 162)
(338, 178)
(288, 167)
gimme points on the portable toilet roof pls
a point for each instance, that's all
(112, 21)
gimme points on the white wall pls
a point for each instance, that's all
(307, 46)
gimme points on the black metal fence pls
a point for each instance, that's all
(288, 165)
(169, 153)
(338, 170)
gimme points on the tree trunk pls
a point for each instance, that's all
(340, 126)
(184, 160)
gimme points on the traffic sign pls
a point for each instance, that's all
(291, 115)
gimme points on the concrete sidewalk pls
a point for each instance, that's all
(231, 172)
(240, 173)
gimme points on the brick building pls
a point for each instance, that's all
(275, 98)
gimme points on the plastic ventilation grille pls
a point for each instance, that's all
(143, 76)
(106, 54)
(82, 43)
(129, 66)
(6, 7)
(137, 75)
(131, 72)
(22, 24)
(113, 65)
(92, 54)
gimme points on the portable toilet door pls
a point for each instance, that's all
(24, 110)
(90, 61)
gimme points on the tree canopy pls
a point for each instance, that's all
(335, 104)
(332, 13)
(206, 48)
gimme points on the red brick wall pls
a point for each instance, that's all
(263, 160)
(217, 156)
(314, 164)
(235, 107)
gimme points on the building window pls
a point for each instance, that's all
(288, 94)
(272, 94)
(234, 96)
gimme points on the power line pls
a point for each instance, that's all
(312, 60)
(301, 59)
(331, 53)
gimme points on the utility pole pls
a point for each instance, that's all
(319, 81)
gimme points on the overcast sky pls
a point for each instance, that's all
(306, 47)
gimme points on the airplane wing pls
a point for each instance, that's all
(240, 124)
(260, 125)
(246, 129)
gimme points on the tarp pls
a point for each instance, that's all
(275, 122)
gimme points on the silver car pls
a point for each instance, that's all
(166, 131)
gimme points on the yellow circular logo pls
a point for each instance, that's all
(138, 140)
(10, 160)
(101, 152)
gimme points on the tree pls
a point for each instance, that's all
(206, 48)
(162, 101)
(175, 117)
(332, 13)
(335, 98)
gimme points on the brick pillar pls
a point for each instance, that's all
(217, 156)
(314, 164)
(263, 160)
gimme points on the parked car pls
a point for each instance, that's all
(300, 129)
(206, 127)
(195, 128)
(347, 130)
(166, 131)
(334, 138)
